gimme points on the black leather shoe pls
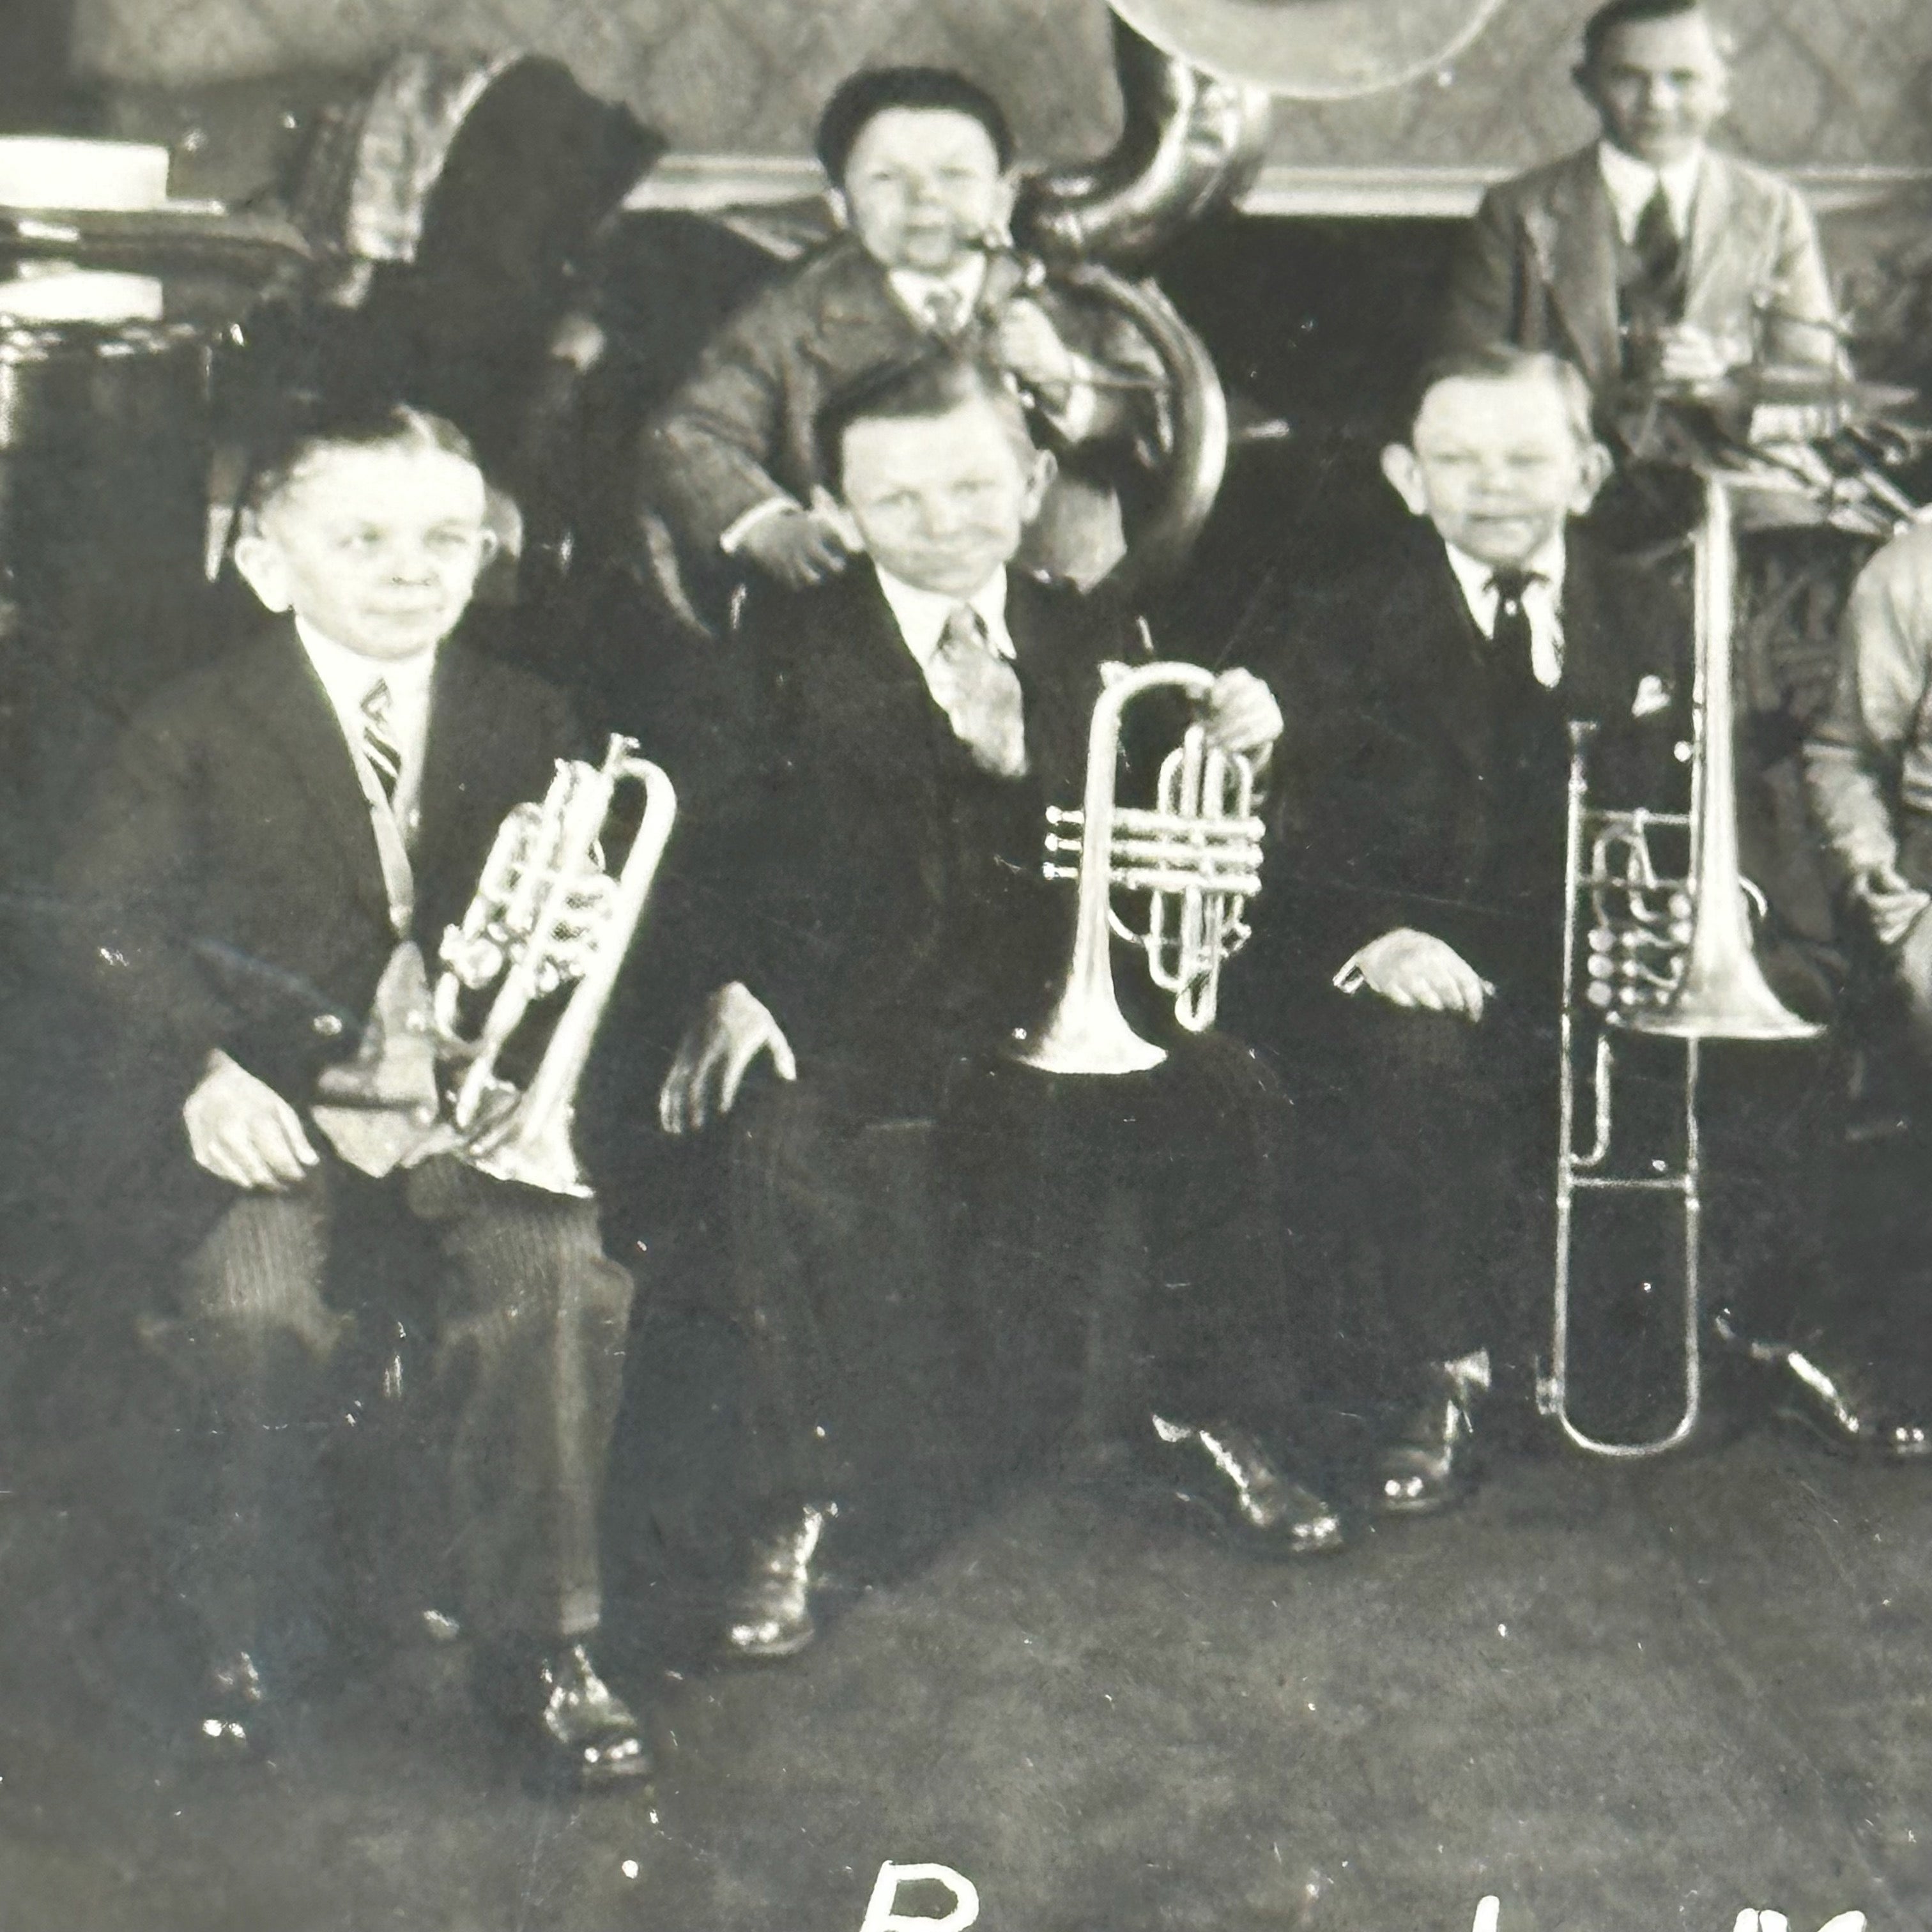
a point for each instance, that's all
(1226, 1471)
(1832, 1402)
(1432, 1464)
(587, 1735)
(232, 1714)
(769, 1615)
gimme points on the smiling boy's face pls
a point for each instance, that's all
(1497, 465)
(377, 548)
(923, 187)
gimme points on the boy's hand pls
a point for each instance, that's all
(1241, 715)
(798, 547)
(1892, 905)
(715, 1055)
(1030, 347)
(243, 1132)
(1686, 353)
(1409, 968)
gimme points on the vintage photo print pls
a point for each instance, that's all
(966, 963)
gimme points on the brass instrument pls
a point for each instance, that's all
(546, 913)
(1196, 853)
(1669, 957)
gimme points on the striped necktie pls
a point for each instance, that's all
(980, 694)
(378, 741)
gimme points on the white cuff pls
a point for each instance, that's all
(1074, 419)
(739, 528)
(1352, 979)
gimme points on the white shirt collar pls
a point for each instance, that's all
(965, 279)
(348, 677)
(921, 615)
(1631, 183)
(1542, 602)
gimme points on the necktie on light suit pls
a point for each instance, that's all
(945, 310)
(979, 692)
(1661, 251)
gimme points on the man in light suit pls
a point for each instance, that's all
(1649, 254)
(274, 850)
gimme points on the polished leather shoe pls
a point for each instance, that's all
(232, 1714)
(769, 1615)
(587, 1734)
(1834, 1403)
(1432, 1464)
(1224, 1470)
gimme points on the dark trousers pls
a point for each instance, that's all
(954, 1251)
(526, 1320)
(1442, 1176)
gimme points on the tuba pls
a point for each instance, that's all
(1667, 956)
(1196, 853)
(545, 913)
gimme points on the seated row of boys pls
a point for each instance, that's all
(288, 830)
(286, 833)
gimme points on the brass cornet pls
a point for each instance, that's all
(546, 913)
(1196, 853)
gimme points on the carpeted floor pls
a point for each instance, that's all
(1621, 1700)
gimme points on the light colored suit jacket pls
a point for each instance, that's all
(1538, 267)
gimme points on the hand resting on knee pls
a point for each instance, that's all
(1409, 968)
(243, 1131)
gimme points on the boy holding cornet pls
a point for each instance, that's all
(281, 840)
(917, 714)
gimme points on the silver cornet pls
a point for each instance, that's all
(545, 913)
(1196, 853)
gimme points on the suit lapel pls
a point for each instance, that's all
(862, 324)
(1718, 252)
(286, 705)
(1581, 267)
(1436, 631)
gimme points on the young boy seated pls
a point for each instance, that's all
(916, 716)
(282, 839)
(920, 162)
(1408, 950)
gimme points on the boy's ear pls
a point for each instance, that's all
(1593, 472)
(259, 558)
(1039, 480)
(1004, 197)
(1405, 476)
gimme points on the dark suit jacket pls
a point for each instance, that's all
(225, 891)
(1538, 266)
(1387, 778)
(892, 909)
(740, 431)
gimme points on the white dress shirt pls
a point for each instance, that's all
(1542, 603)
(349, 677)
(1631, 183)
(961, 283)
(921, 615)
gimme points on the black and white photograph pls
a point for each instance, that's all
(965, 963)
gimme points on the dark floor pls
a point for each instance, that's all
(1623, 1699)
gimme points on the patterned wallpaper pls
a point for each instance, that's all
(1829, 82)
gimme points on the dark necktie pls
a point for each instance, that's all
(979, 692)
(1511, 640)
(378, 741)
(1659, 250)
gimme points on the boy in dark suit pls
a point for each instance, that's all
(281, 840)
(1410, 959)
(918, 161)
(917, 714)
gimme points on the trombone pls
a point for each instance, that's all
(1669, 958)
